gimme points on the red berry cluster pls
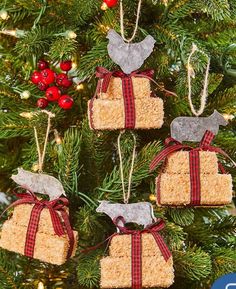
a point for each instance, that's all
(53, 84)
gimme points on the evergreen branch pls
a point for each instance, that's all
(194, 264)
(183, 217)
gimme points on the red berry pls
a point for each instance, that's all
(66, 82)
(36, 77)
(53, 93)
(42, 85)
(111, 3)
(63, 80)
(65, 101)
(42, 103)
(66, 65)
(48, 76)
(43, 64)
(60, 77)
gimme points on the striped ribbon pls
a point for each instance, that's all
(172, 145)
(56, 208)
(136, 246)
(104, 76)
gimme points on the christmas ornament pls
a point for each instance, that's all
(36, 77)
(42, 103)
(124, 101)
(43, 64)
(66, 65)
(65, 102)
(110, 3)
(129, 56)
(25, 94)
(48, 76)
(53, 93)
(190, 175)
(137, 258)
(39, 228)
(193, 128)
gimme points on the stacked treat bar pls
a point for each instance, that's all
(173, 186)
(48, 246)
(108, 110)
(116, 268)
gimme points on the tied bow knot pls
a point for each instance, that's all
(105, 75)
(153, 229)
(172, 145)
(60, 222)
(54, 206)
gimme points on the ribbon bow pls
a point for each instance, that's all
(106, 75)
(172, 145)
(153, 229)
(136, 247)
(54, 207)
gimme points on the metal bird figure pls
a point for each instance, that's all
(129, 56)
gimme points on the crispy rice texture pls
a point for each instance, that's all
(116, 268)
(49, 247)
(110, 115)
(178, 163)
(141, 88)
(216, 189)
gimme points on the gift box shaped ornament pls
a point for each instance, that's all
(39, 228)
(190, 175)
(124, 101)
(137, 259)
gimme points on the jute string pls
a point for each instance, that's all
(122, 21)
(41, 154)
(126, 195)
(191, 75)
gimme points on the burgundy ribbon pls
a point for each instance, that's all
(136, 247)
(105, 75)
(172, 145)
(54, 207)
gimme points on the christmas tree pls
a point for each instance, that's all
(202, 240)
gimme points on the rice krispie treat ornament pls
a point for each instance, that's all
(40, 228)
(137, 258)
(123, 99)
(189, 174)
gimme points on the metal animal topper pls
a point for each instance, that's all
(139, 213)
(39, 183)
(193, 128)
(129, 56)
